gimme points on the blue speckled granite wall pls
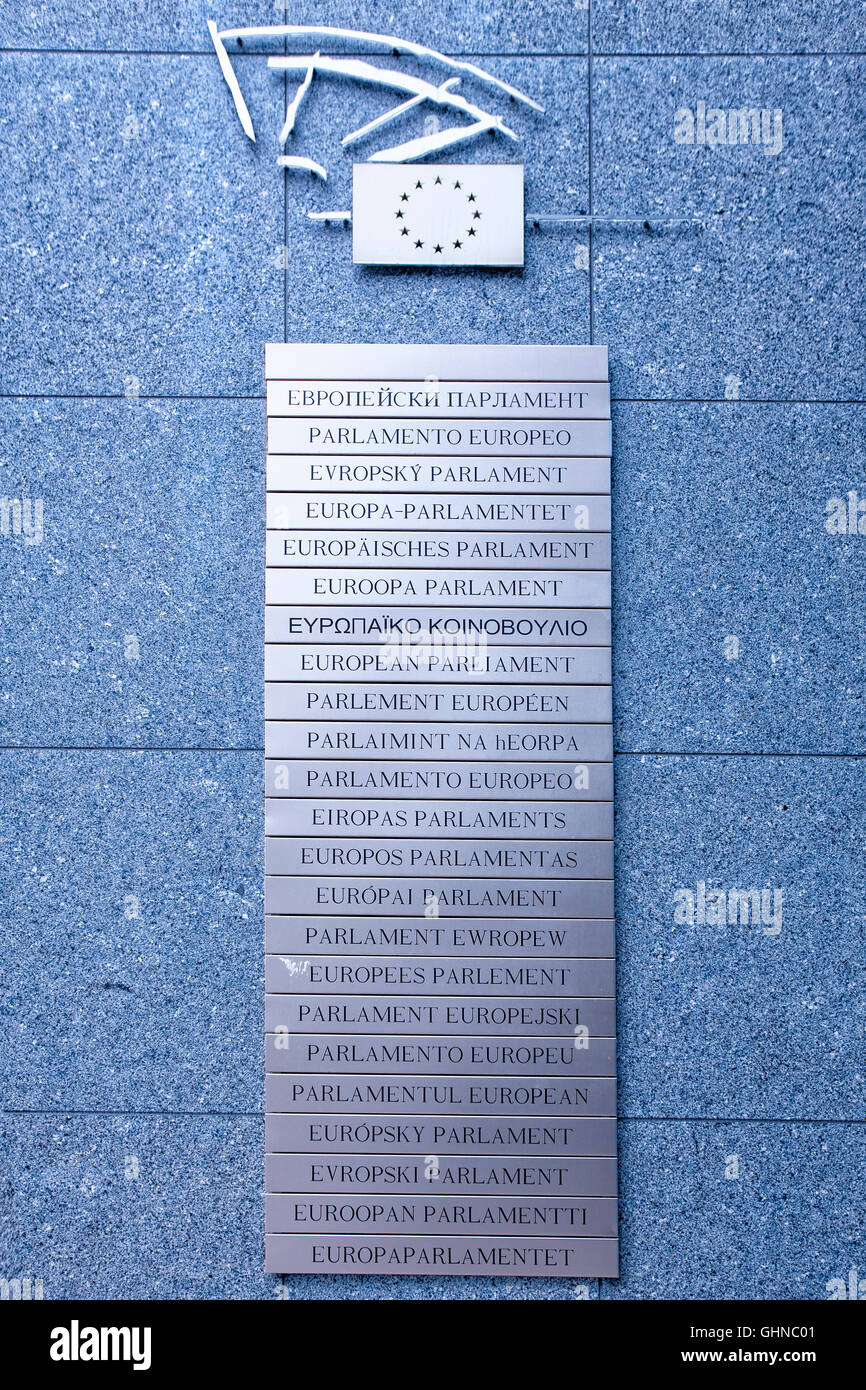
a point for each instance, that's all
(148, 253)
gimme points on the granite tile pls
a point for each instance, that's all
(788, 1224)
(133, 978)
(736, 612)
(137, 618)
(758, 1019)
(131, 1206)
(761, 301)
(141, 246)
(461, 26)
(727, 26)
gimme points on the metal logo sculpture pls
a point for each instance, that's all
(446, 230)
(376, 242)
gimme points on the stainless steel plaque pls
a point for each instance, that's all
(511, 550)
(430, 936)
(496, 627)
(411, 1055)
(516, 859)
(486, 1135)
(446, 661)
(445, 975)
(570, 514)
(495, 743)
(511, 438)
(421, 361)
(433, 896)
(579, 1024)
(500, 399)
(555, 1257)
(328, 1093)
(521, 588)
(588, 820)
(308, 777)
(450, 474)
(439, 703)
(439, 1013)
(333, 1172)
(388, 1215)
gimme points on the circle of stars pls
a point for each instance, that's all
(472, 210)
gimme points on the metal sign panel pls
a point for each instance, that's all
(509, 743)
(507, 438)
(450, 474)
(517, 588)
(436, 894)
(518, 782)
(443, 214)
(421, 362)
(288, 510)
(439, 1013)
(408, 936)
(491, 626)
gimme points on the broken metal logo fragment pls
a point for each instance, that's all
(415, 90)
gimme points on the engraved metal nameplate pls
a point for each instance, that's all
(451, 474)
